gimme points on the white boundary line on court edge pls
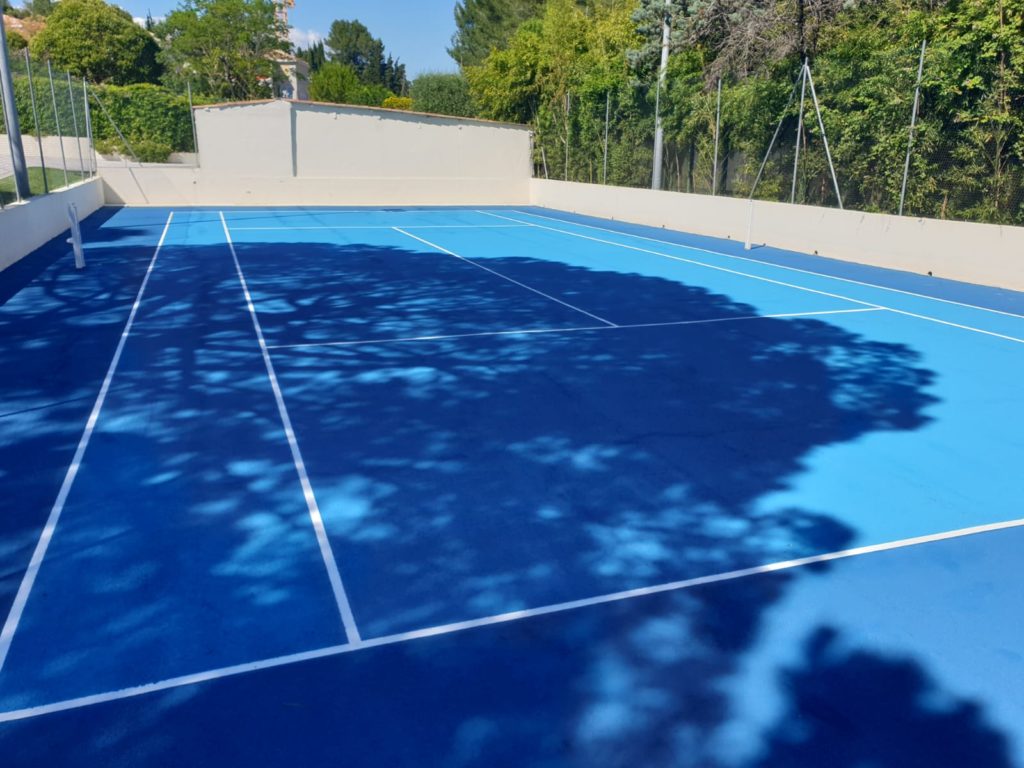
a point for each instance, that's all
(437, 247)
(766, 279)
(386, 226)
(340, 596)
(768, 263)
(501, 618)
(29, 579)
(536, 331)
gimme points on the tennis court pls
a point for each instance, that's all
(501, 486)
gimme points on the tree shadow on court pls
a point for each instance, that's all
(59, 327)
(458, 479)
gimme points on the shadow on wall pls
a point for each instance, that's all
(462, 478)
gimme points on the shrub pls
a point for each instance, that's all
(397, 102)
(442, 94)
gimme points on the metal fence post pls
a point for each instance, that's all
(56, 117)
(799, 130)
(35, 119)
(568, 130)
(192, 120)
(74, 120)
(913, 125)
(607, 116)
(93, 165)
(718, 128)
(747, 245)
(824, 137)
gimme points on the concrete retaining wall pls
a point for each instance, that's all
(985, 254)
(298, 153)
(26, 226)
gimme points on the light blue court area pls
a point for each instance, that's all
(454, 487)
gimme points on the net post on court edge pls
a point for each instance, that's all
(75, 241)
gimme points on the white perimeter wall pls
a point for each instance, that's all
(295, 153)
(985, 254)
(26, 226)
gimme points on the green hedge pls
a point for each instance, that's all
(146, 114)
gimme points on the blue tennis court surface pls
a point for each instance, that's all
(457, 487)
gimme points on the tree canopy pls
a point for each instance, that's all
(338, 83)
(482, 26)
(565, 64)
(226, 48)
(101, 42)
(351, 43)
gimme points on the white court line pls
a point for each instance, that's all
(767, 263)
(29, 579)
(340, 596)
(385, 226)
(502, 618)
(504, 277)
(535, 331)
(768, 279)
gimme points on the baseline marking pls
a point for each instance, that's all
(770, 280)
(768, 263)
(340, 596)
(505, 277)
(534, 331)
(502, 618)
(386, 226)
(29, 578)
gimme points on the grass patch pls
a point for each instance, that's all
(54, 178)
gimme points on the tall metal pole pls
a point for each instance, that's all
(74, 120)
(824, 137)
(35, 120)
(913, 125)
(607, 117)
(659, 131)
(799, 129)
(21, 187)
(56, 117)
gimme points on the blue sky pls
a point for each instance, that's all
(416, 31)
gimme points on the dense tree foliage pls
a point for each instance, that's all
(482, 26)
(351, 43)
(225, 48)
(98, 41)
(315, 55)
(442, 94)
(15, 41)
(569, 61)
(338, 83)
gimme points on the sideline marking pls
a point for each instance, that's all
(505, 277)
(768, 279)
(28, 580)
(773, 264)
(340, 596)
(534, 331)
(502, 618)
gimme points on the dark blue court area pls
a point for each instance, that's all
(502, 487)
